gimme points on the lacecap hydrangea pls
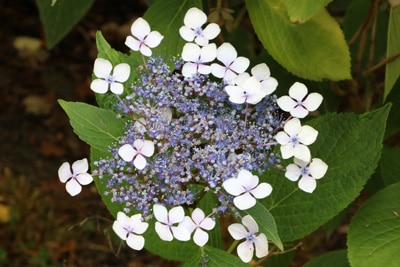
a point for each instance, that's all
(205, 125)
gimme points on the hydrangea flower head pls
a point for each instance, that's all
(246, 189)
(192, 30)
(75, 179)
(106, 77)
(248, 230)
(196, 58)
(297, 103)
(167, 225)
(143, 38)
(130, 229)
(139, 150)
(197, 223)
(308, 171)
(248, 92)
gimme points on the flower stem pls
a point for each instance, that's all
(232, 247)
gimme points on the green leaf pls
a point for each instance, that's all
(374, 233)
(393, 46)
(215, 258)
(302, 10)
(97, 127)
(314, 50)
(336, 258)
(59, 19)
(389, 165)
(351, 145)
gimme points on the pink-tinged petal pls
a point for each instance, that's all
(302, 152)
(307, 135)
(226, 53)
(117, 88)
(208, 223)
(198, 216)
(64, 172)
(154, 39)
(189, 69)
(211, 31)
(80, 166)
(139, 226)
(269, 85)
(73, 187)
(317, 168)
(200, 237)
(287, 151)
(313, 101)
(163, 231)
(261, 244)
(298, 91)
(147, 148)
(247, 179)
(203, 69)
(121, 72)
(138, 144)
(286, 103)
(218, 70)
(293, 172)
(187, 33)
(299, 112)
(194, 18)
(233, 186)
(188, 224)
(235, 94)
(84, 178)
(102, 68)
(245, 251)
(261, 71)
(237, 231)
(119, 229)
(132, 43)
(208, 53)
(127, 152)
(240, 64)
(176, 214)
(145, 50)
(135, 242)
(292, 127)
(140, 162)
(191, 52)
(256, 97)
(161, 213)
(229, 76)
(140, 28)
(180, 233)
(99, 86)
(307, 184)
(282, 138)
(262, 190)
(244, 202)
(250, 223)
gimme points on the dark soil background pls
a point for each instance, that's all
(40, 224)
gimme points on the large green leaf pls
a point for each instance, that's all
(336, 258)
(393, 46)
(351, 145)
(314, 50)
(302, 10)
(389, 165)
(374, 232)
(59, 18)
(214, 257)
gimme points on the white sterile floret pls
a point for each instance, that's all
(263, 74)
(195, 58)
(198, 223)
(248, 230)
(106, 77)
(309, 173)
(167, 225)
(75, 179)
(130, 229)
(246, 189)
(139, 149)
(233, 65)
(295, 139)
(248, 92)
(143, 38)
(297, 103)
(192, 30)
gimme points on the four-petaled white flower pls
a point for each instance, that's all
(233, 65)
(197, 223)
(309, 172)
(102, 69)
(130, 229)
(167, 225)
(263, 74)
(143, 38)
(297, 103)
(195, 58)
(246, 189)
(192, 30)
(75, 179)
(247, 91)
(248, 230)
(139, 149)
(295, 139)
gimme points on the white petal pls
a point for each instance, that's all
(247, 179)
(73, 187)
(135, 242)
(121, 72)
(245, 251)
(163, 232)
(261, 71)
(298, 91)
(198, 215)
(211, 31)
(139, 227)
(203, 69)
(307, 184)
(189, 69)
(176, 214)
(301, 152)
(237, 231)
(235, 94)
(147, 148)
(153, 39)
(200, 237)
(244, 202)
(250, 223)
(201, 40)
(116, 88)
(287, 151)
(233, 186)
(292, 126)
(293, 172)
(187, 33)
(286, 103)
(161, 213)
(188, 224)
(140, 28)
(208, 53)
(301, 163)
(317, 168)
(102, 68)
(299, 112)
(241, 78)
(80, 166)
(64, 172)
(180, 233)
(208, 223)
(145, 50)
(132, 43)
(191, 52)
(226, 53)
(84, 178)
(313, 101)
(262, 190)
(269, 85)
(218, 70)
(194, 18)
(120, 224)
(282, 138)
(140, 162)
(261, 244)
(240, 64)
(307, 135)
(126, 152)
(99, 86)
